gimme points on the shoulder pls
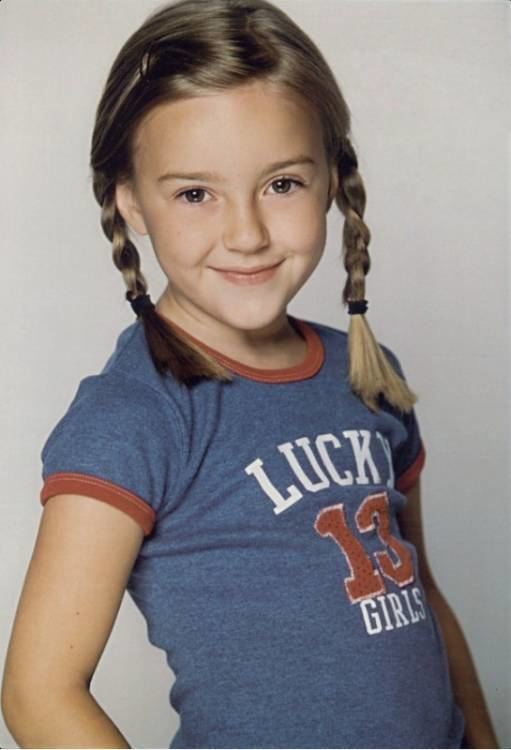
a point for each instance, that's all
(119, 440)
(130, 380)
(119, 391)
(128, 401)
(131, 356)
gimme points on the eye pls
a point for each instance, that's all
(194, 195)
(284, 181)
(192, 191)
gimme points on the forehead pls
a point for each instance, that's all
(245, 126)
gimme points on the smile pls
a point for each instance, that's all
(248, 279)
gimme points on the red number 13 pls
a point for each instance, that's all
(365, 580)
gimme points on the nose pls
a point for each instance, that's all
(245, 229)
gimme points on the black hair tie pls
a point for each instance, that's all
(357, 308)
(140, 303)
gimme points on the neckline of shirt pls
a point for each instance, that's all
(308, 367)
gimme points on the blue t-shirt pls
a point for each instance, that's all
(272, 572)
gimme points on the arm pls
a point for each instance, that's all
(73, 589)
(468, 694)
(70, 719)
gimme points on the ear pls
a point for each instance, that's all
(129, 208)
(334, 182)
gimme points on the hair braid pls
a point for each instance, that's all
(124, 253)
(170, 353)
(356, 234)
(370, 372)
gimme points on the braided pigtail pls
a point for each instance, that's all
(370, 371)
(169, 351)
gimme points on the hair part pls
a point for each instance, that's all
(195, 47)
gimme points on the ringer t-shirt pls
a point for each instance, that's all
(272, 572)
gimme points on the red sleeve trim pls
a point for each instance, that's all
(410, 476)
(67, 483)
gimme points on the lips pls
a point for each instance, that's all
(251, 278)
(247, 271)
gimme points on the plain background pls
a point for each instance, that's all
(427, 86)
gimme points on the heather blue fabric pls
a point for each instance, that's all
(239, 588)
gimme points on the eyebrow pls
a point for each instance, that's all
(212, 176)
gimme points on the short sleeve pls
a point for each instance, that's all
(410, 455)
(118, 442)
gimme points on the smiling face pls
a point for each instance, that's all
(247, 212)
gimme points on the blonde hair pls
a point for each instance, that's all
(192, 47)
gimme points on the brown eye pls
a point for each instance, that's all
(286, 181)
(193, 192)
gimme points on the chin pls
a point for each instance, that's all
(255, 321)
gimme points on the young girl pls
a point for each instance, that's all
(258, 474)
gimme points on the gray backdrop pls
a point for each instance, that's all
(426, 83)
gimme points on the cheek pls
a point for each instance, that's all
(175, 241)
(304, 231)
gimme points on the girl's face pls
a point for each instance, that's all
(243, 211)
